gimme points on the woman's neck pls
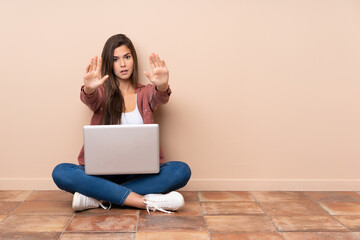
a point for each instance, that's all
(126, 87)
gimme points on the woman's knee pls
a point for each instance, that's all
(185, 169)
(181, 171)
(56, 173)
(62, 174)
(59, 170)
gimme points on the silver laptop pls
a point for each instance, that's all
(121, 149)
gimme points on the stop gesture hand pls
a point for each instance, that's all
(160, 73)
(92, 78)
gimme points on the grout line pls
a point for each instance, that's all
(332, 216)
(276, 227)
(197, 196)
(32, 193)
(66, 226)
(202, 214)
(5, 218)
(358, 237)
(10, 213)
(252, 196)
(21, 203)
(137, 223)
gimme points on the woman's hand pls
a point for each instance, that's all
(92, 78)
(160, 73)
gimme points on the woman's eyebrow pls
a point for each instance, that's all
(123, 55)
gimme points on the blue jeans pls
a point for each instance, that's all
(116, 188)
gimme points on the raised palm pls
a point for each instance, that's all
(160, 73)
(92, 78)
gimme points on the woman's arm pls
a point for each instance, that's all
(160, 91)
(91, 94)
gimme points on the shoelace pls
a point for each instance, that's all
(104, 207)
(154, 207)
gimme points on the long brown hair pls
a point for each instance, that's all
(114, 101)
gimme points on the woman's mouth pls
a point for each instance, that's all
(124, 72)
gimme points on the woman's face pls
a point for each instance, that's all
(123, 63)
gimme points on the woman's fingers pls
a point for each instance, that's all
(151, 60)
(155, 61)
(98, 69)
(102, 81)
(95, 63)
(148, 76)
(92, 64)
(159, 69)
(158, 61)
(93, 71)
(163, 64)
(88, 68)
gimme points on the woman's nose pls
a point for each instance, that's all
(122, 62)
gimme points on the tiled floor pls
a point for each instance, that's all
(207, 215)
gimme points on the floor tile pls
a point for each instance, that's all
(30, 236)
(234, 208)
(229, 224)
(112, 211)
(98, 236)
(189, 196)
(103, 223)
(53, 195)
(190, 209)
(319, 236)
(8, 207)
(14, 195)
(351, 222)
(307, 223)
(342, 208)
(34, 223)
(44, 208)
(246, 236)
(165, 223)
(334, 196)
(293, 209)
(172, 236)
(279, 196)
(227, 214)
(224, 196)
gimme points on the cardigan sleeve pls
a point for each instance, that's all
(156, 97)
(94, 100)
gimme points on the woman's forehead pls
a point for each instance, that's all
(121, 51)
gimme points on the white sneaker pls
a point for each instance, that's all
(162, 202)
(82, 202)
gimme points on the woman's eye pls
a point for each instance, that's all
(127, 57)
(115, 59)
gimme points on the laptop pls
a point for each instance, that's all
(121, 149)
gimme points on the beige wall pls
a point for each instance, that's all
(265, 93)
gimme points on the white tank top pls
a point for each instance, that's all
(133, 117)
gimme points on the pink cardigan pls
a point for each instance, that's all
(148, 98)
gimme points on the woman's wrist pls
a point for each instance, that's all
(88, 91)
(162, 88)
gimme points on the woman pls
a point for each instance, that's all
(111, 90)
